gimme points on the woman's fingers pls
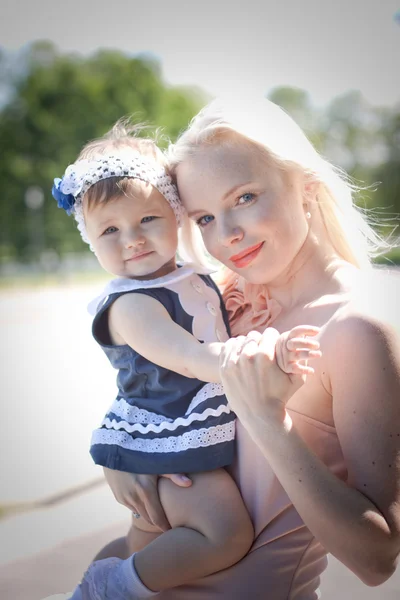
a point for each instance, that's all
(139, 508)
(152, 507)
(144, 514)
(179, 479)
(235, 346)
(230, 352)
(268, 342)
(157, 517)
(251, 347)
(253, 335)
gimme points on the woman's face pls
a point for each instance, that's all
(251, 215)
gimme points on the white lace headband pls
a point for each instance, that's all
(80, 176)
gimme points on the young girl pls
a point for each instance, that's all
(162, 325)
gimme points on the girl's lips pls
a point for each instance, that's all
(139, 256)
(247, 256)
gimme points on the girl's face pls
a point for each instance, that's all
(134, 236)
(251, 215)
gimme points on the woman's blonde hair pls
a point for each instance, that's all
(270, 130)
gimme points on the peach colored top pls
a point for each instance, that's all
(285, 561)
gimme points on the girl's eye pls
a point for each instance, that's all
(246, 198)
(148, 219)
(109, 230)
(203, 221)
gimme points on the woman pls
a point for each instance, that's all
(319, 468)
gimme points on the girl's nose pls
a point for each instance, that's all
(133, 238)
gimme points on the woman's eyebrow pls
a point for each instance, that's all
(194, 213)
(234, 189)
(224, 197)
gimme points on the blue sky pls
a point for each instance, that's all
(222, 46)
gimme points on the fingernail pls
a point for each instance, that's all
(184, 478)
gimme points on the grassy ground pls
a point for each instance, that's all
(41, 280)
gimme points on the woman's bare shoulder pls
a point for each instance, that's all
(365, 323)
(372, 301)
(361, 341)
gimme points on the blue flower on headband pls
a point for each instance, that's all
(65, 201)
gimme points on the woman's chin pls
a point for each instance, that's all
(255, 276)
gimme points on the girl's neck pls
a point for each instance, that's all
(166, 269)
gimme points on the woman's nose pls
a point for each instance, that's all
(229, 233)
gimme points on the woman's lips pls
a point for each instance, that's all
(247, 256)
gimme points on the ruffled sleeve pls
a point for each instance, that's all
(248, 305)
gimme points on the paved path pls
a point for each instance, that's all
(55, 386)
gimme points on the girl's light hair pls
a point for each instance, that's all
(271, 131)
(124, 135)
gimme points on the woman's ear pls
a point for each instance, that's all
(310, 189)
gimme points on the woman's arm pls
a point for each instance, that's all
(358, 522)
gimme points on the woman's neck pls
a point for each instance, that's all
(315, 272)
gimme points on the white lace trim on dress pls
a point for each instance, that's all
(179, 422)
(199, 438)
(210, 390)
(132, 414)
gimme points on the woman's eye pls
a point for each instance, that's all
(148, 219)
(245, 198)
(111, 229)
(203, 221)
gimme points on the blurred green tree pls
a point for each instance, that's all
(297, 103)
(361, 139)
(353, 135)
(388, 172)
(52, 105)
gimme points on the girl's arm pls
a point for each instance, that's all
(144, 324)
(358, 522)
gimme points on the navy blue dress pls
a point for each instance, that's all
(161, 421)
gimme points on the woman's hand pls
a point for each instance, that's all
(139, 493)
(255, 385)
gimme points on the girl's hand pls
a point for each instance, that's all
(139, 493)
(294, 347)
(255, 385)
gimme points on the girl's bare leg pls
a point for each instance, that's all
(139, 536)
(118, 548)
(211, 530)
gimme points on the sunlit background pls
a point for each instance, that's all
(68, 71)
